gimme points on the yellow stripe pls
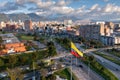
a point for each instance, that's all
(75, 48)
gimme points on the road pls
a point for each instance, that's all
(62, 53)
(85, 72)
(109, 65)
(100, 49)
(78, 71)
(106, 63)
(103, 52)
(29, 76)
(81, 73)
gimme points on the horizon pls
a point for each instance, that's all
(105, 10)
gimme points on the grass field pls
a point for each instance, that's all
(114, 52)
(23, 37)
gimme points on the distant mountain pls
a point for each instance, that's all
(19, 16)
(3, 17)
(37, 17)
(32, 16)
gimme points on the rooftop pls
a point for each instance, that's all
(9, 38)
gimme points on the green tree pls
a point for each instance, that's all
(51, 49)
(15, 74)
(13, 60)
(11, 74)
(34, 56)
(24, 59)
(1, 45)
(51, 77)
(91, 58)
(1, 62)
(1, 39)
(44, 72)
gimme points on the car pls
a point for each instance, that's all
(102, 61)
(3, 75)
(116, 69)
(80, 66)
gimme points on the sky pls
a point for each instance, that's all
(79, 9)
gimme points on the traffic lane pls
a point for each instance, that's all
(107, 61)
(107, 53)
(80, 73)
(93, 75)
(31, 75)
(111, 68)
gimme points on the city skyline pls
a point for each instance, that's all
(80, 9)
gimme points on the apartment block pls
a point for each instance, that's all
(91, 31)
(11, 44)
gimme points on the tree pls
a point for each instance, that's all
(11, 74)
(34, 66)
(51, 77)
(44, 72)
(91, 58)
(23, 59)
(12, 60)
(1, 62)
(51, 49)
(15, 74)
(34, 56)
(1, 39)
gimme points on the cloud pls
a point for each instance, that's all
(9, 6)
(105, 0)
(38, 3)
(111, 8)
(46, 4)
(94, 7)
(61, 3)
(62, 8)
(3, 4)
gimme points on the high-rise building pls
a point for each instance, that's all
(2, 25)
(68, 22)
(28, 25)
(91, 31)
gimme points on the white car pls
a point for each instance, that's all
(3, 75)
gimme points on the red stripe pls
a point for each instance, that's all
(74, 53)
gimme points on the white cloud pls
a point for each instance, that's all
(81, 9)
(46, 4)
(105, 0)
(94, 7)
(3, 4)
(111, 8)
(61, 3)
(62, 10)
(60, 7)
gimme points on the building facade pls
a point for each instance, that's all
(11, 44)
(28, 25)
(90, 31)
